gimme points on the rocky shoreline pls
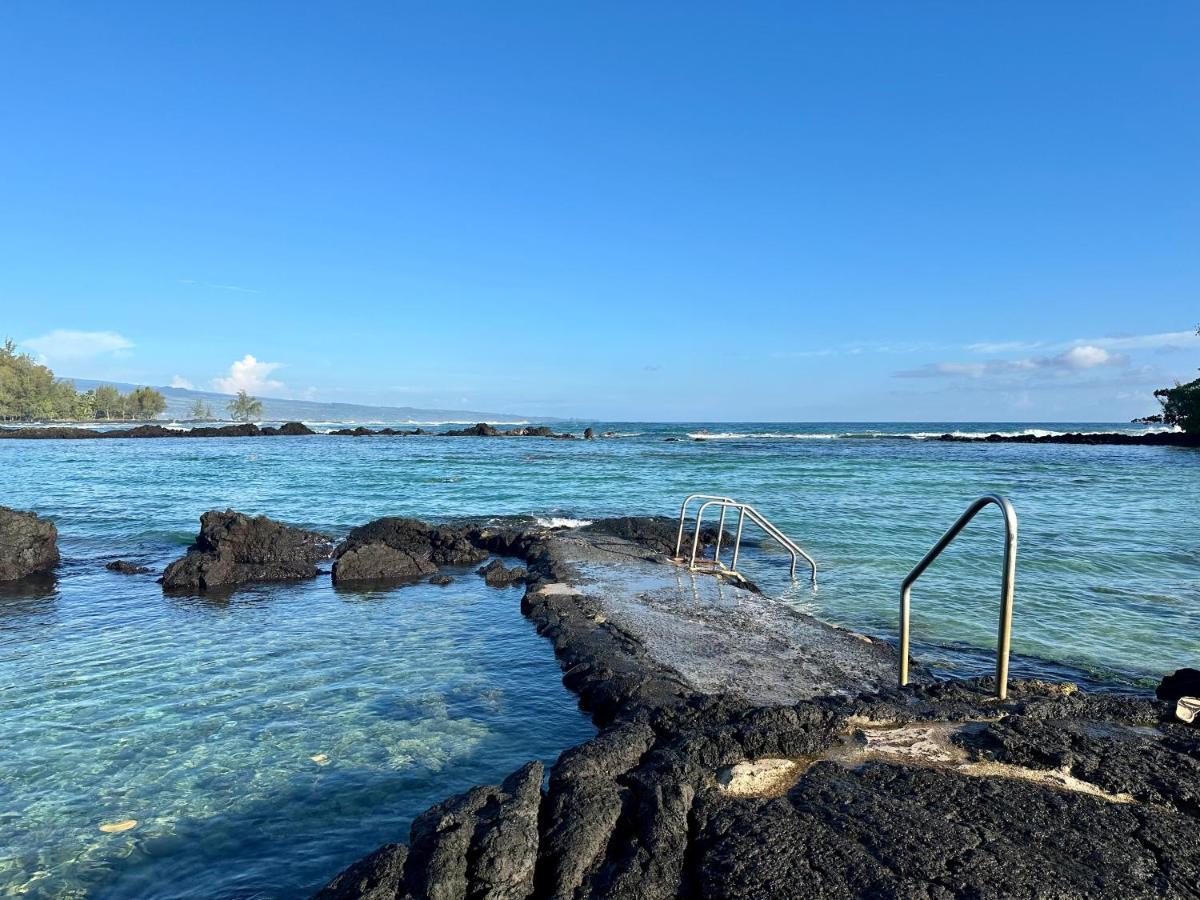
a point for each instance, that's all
(747, 750)
(843, 786)
(288, 429)
(1151, 439)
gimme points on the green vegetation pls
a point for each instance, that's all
(1181, 404)
(200, 411)
(244, 408)
(29, 390)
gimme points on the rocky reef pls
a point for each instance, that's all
(748, 751)
(233, 548)
(62, 432)
(289, 429)
(1151, 439)
(400, 549)
(28, 544)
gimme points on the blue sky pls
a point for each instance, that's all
(619, 210)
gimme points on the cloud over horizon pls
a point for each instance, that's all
(1075, 359)
(250, 375)
(66, 345)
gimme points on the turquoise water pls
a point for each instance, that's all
(199, 718)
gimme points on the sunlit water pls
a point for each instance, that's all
(200, 718)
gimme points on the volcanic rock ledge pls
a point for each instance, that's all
(233, 548)
(400, 549)
(934, 791)
(28, 544)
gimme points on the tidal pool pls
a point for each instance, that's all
(251, 745)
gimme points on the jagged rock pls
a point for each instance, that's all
(480, 844)
(379, 876)
(483, 429)
(126, 568)
(496, 574)
(1054, 792)
(1180, 683)
(295, 428)
(28, 544)
(396, 548)
(234, 548)
(441, 580)
(589, 434)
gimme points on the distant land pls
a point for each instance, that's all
(180, 400)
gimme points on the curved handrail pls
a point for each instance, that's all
(683, 514)
(744, 509)
(1007, 585)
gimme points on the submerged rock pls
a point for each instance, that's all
(126, 568)
(396, 548)
(441, 580)
(234, 548)
(28, 544)
(496, 574)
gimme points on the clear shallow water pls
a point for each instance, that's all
(198, 718)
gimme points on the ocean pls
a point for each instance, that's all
(265, 739)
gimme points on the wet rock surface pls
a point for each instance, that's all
(124, 567)
(1152, 439)
(28, 544)
(61, 432)
(497, 574)
(396, 548)
(845, 787)
(233, 548)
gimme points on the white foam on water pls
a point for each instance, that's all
(561, 522)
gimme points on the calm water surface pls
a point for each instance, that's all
(200, 718)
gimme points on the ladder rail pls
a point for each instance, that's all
(683, 515)
(745, 510)
(1007, 586)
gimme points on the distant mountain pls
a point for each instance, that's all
(180, 400)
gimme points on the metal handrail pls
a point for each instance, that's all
(1007, 585)
(683, 514)
(744, 510)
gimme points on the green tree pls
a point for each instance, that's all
(200, 411)
(145, 403)
(109, 402)
(1181, 404)
(244, 408)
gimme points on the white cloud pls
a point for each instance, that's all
(1087, 356)
(250, 375)
(180, 382)
(64, 345)
(1075, 359)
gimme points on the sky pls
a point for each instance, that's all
(619, 211)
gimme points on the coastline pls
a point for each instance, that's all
(785, 773)
(482, 429)
(288, 429)
(1150, 439)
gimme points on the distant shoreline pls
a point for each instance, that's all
(298, 429)
(1150, 439)
(288, 429)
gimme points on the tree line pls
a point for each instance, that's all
(29, 390)
(1181, 404)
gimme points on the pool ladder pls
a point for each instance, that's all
(745, 511)
(1007, 584)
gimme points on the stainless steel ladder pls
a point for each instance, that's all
(1007, 585)
(745, 511)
